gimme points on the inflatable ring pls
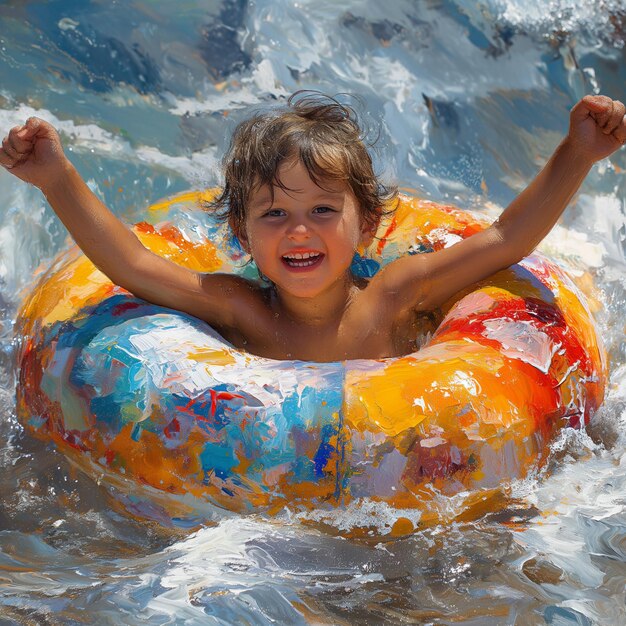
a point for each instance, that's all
(184, 428)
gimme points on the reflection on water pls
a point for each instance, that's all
(471, 98)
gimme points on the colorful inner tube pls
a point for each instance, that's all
(183, 428)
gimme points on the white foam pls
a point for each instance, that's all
(81, 134)
(96, 140)
(592, 16)
(574, 246)
(362, 513)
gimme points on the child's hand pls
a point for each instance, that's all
(33, 152)
(597, 127)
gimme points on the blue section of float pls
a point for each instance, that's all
(120, 362)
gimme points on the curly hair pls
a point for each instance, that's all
(324, 134)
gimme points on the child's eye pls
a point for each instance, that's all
(323, 209)
(274, 213)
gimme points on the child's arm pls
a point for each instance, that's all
(33, 153)
(597, 129)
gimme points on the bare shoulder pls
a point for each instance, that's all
(380, 317)
(376, 302)
(402, 284)
(423, 282)
(241, 304)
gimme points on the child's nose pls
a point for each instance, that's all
(298, 230)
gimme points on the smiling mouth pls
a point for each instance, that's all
(305, 260)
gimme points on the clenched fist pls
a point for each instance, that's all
(33, 153)
(597, 127)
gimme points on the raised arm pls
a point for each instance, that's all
(597, 128)
(33, 153)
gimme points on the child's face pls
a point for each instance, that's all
(305, 240)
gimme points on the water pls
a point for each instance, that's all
(145, 94)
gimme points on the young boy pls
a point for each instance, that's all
(301, 196)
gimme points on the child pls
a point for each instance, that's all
(301, 196)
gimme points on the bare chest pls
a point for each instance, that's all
(355, 336)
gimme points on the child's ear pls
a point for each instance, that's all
(243, 240)
(367, 236)
(368, 230)
(240, 233)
